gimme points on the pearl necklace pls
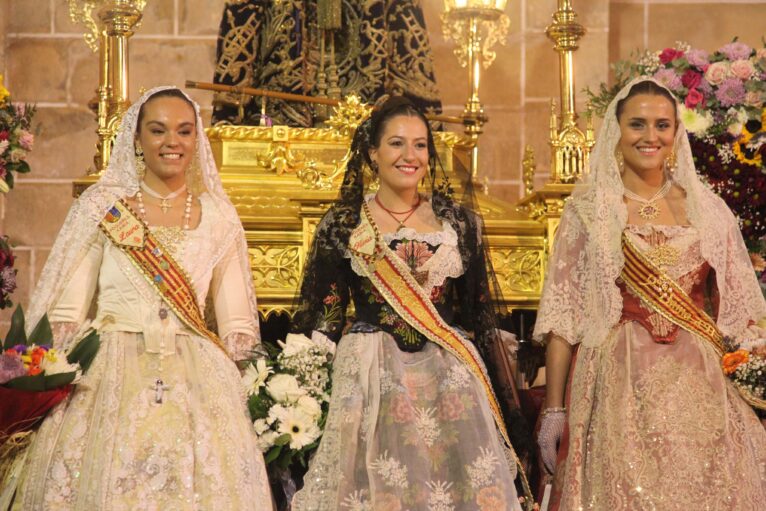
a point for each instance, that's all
(649, 210)
(165, 205)
(165, 200)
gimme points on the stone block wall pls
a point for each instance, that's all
(45, 61)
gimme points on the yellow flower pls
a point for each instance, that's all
(731, 361)
(739, 153)
(4, 93)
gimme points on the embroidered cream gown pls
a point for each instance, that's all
(112, 446)
(653, 423)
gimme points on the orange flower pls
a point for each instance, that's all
(34, 370)
(37, 356)
(731, 361)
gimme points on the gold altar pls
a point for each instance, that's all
(281, 180)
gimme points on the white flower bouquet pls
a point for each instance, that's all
(288, 398)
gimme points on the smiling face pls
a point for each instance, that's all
(647, 132)
(402, 153)
(167, 135)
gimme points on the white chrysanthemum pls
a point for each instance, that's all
(284, 388)
(739, 118)
(260, 426)
(696, 122)
(295, 344)
(266, 440)
(255, 376)
(54, 363)
(301, 427)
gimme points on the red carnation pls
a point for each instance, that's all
(694, 98)
(691, 79)
(3, 135)
(670, 54)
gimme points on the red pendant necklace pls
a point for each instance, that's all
(391, 213)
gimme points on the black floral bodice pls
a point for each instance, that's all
(372, 313)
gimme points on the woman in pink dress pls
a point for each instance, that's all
(651, 420)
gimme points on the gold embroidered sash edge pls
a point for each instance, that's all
(147, 254)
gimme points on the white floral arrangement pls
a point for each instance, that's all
(288, 397)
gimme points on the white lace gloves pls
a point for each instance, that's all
(551, 429)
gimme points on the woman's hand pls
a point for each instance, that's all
(549, 436)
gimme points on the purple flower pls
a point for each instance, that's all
(730, 92)
(10, 368)
(7, 280)
(668, 78)
(736, 50)
(20, 348)
(698, 58)
(705, 88)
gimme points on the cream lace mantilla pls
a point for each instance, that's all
(581, 301)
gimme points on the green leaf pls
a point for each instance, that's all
(42, 333)
(54, 381)
(9, 179)
(258, 406)
(22, 167)
(16, 334)
(284, 459)
(272, 454)
(283, 439)
(33, 383)
(85, 351)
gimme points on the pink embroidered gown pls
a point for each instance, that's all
(654, 424)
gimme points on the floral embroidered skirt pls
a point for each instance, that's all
(406, 431)
(112, 446)
(659, 427)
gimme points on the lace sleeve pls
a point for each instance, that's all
(64, 335)
(562, 305)
(237, 324)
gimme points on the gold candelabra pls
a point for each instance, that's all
(570, 146)
(108, 33)
(475, 26)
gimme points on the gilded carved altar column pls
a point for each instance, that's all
(570, 146)
(108, 33)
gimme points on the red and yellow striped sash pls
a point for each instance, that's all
(665, 297)
(393, 280)
(134, 239)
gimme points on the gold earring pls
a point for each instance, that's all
(670, 162)
(620, 161)
(140, 163)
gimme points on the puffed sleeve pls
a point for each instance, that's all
(71, 308)
(233, 297)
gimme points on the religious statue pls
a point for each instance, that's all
(321, 48)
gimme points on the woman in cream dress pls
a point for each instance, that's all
(158, 422)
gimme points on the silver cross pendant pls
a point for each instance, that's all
(159, 390)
